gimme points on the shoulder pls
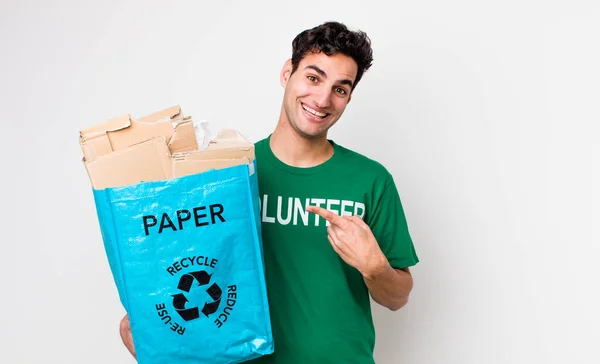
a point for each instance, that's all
(260, 147)
(261, 142)
(362, 163)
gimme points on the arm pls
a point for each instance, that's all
(391, 287)
(125, 331)
(354, 242)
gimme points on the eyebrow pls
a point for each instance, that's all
(324, 74)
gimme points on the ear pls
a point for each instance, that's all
(286, 72)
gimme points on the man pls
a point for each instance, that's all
(334, 230)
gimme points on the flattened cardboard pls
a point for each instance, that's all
(210, 154)
(184, 137)
(95, 142)
(160, 146)
(228, 149)
(229, 138)
(114, 124)
(159, 124)
(182, 168)
(143, 162)
(123, 131)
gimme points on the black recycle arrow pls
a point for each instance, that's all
(179, 301)
(210, 308)
(189, 314)
(185, 284)
(214, 291)
(186, 280)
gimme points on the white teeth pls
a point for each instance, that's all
(314, 112)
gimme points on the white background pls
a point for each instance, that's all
(485, 112)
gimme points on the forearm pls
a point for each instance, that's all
(391, 287)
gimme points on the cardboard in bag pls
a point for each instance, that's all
(124, 151)
(194, 313)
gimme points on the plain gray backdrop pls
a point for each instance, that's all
(485, 112)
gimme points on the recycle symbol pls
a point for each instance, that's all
(185, 284)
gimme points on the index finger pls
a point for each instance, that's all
(333, 218)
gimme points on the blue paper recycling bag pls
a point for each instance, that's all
(186, 256)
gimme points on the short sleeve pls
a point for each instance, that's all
(388, 223)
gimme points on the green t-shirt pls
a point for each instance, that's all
(320, 306)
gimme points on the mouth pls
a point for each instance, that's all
(314, 113)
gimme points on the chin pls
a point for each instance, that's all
(313, 130)
(312, 134)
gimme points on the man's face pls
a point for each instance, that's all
(317, 93)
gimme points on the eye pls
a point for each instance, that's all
(341, 91)
(312, 79)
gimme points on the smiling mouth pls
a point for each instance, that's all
(314, 112)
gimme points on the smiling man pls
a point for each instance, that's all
(309, 108)
(334, 231)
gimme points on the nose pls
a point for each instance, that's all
(322, 97)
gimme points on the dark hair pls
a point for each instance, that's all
(330, 38)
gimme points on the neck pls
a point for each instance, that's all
(296, 150)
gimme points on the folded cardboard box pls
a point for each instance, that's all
(125, 151)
